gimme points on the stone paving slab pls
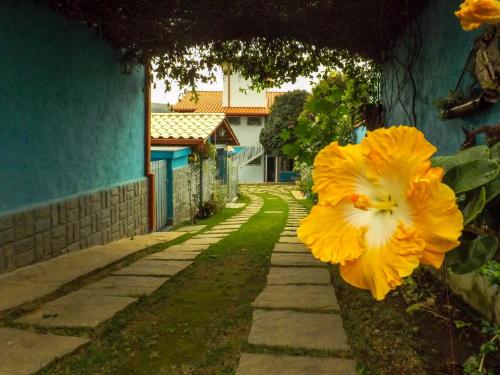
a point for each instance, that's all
(167, 236)
(291, 227)
(298, 195)
(227, 226)
(202, 241)
(313, 297)
(273, 212)
(188, 248)
(289, 240)
(298, 330)
(32, 282)
(298, 275)
(190, 228)
(219, 231)
(210, 235)
(235, 205)
(261, 364)
(126, 286)
(169, 254)
(289, 233)
(284, 259)
(146, 267)
(78, 309)
(291, 248)
(25, 352)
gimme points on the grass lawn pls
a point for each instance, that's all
(197, 322)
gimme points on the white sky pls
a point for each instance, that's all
(158, 94)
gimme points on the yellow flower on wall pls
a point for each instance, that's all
(382, 209)
(473, 13)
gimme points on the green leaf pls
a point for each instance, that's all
(285, 135)
(291, 150)
(492, 189)
(475, 206)
(495, 151)
(450, 161)
(471, 175)
(470, 255)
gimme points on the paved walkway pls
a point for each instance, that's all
(296, 311)
(25, 351)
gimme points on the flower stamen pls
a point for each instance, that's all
(364, 203)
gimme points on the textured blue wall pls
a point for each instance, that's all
(70, 121)
(444, 52)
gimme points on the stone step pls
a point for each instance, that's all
(190, 228)
(288, 259)
(36, 281)
(173, 255)
(298, 275)
(298, 330)
(82, 308)
(259, 364)
(289, 240)
(305, 297)
(125, 286)
(25, 352)
(202, 241)
(291, 248)
(146, 267)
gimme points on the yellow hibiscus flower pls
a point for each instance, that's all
(473, 13)
(382, 209)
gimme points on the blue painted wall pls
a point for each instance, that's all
(444, 52)
(175, 159)
(359, 134)
(70, 121)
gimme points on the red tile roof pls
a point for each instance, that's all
(211, 102)
(189, 128)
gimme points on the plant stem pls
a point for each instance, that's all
(481, 365)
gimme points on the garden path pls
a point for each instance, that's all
(296, 327)
(28, 351)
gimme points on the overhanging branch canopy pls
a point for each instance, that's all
(266, 39)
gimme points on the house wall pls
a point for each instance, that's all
(248, 135)
(71, 128)
(445, 47)
(252, 173)
(237, 98)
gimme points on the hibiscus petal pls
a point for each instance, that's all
(336, 172)
(382, 269)
(330, 236)
(437, 219)
(473, 13)
(395, 154)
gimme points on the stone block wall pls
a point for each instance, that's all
(45, 232)
(478, 293)
(180, 193)
(208, 179)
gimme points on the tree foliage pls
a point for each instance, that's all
(332, 110)
(266, 40)
(474, 175)
(283, 119)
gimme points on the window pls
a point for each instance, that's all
(254, 120)
(234, 120)
(256, 161)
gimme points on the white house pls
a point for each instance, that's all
(246, 111)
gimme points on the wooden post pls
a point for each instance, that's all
(147, 152)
